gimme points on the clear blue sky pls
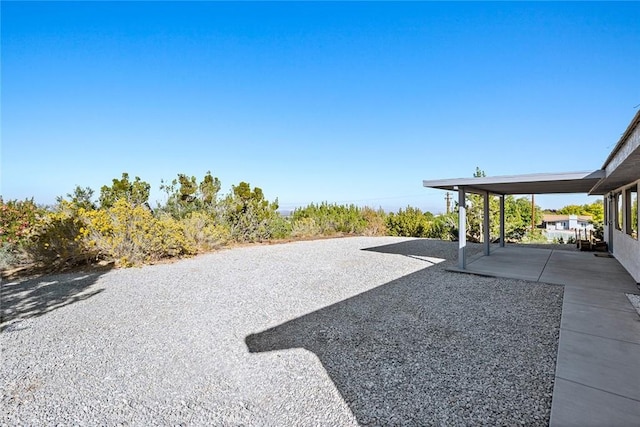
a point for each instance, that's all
(343, 102)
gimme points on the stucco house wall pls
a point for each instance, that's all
(622, 245)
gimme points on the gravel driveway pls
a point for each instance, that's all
(353, 331)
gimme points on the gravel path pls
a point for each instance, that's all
(306, 333)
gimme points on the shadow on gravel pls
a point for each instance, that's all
(419, 249)
(23, 298)
(422, 350)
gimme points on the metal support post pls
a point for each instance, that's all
(462, 229)
(486, 225)
(502, 220)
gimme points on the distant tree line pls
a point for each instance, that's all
(121, 227)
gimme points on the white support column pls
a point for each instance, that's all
(502, 220)
(462, 229)
(486, 225)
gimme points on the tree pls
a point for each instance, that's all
(248, 214)
(209, 188)
(571, 210)
(411, 222)
(444, 227)
(80, 198)
(185, 195)
(596, 210)
(136, 192)
(517, 216)
(475, 212)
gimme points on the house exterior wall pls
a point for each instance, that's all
(623, 246)
(626, 249)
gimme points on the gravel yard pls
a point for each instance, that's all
(353, 331)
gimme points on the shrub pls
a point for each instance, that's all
(375, 222)
(185, 196)
(136, 192)
(248, 215)
(57, 237)
(16, 220)
(8, 256)
(131, 235)
(305, 227)
(410, 222)
(279, 227)
(332, 218)
(202, 233)
(444, 227)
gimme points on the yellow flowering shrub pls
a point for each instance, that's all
(131, 235)
(202, 233)
(58, 237)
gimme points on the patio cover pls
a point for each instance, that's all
(540, 183)
(546, 183)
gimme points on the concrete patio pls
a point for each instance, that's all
(598, 366)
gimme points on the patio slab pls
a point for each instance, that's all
(602, 322)
(597, 377)
(573, 406)
(605, 364)
(598, 298)
(510, 262)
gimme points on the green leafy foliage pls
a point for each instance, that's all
(248, 214)
(329, 219)
(80, 198)
(195, 219)
(518, 216)
(444, 227)
(410, 222)
(595, 210)
(136, 192)
(185, 195)
(17, 219)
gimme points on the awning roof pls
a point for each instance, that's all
(542, 183)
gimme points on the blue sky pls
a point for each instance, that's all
(338, 102)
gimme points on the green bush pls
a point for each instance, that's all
(279, 227)
(248, 215)
(330, 219)
(17, 220)
(411, 222)
(185, 196)
(305, 227)
(444, 227)
(375, 222)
